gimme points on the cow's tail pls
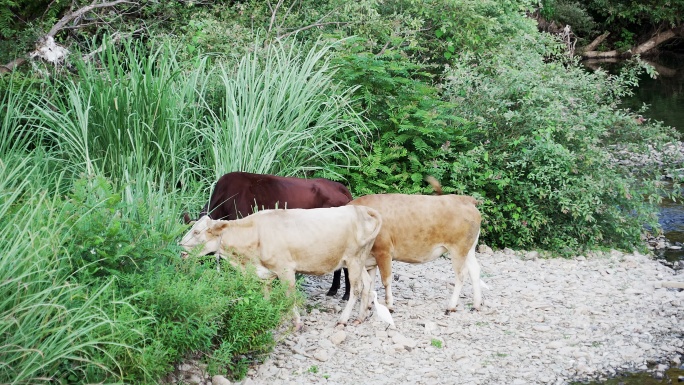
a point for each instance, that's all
(374, 226)
(434, 183)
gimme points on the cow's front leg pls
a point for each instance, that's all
(287, 275)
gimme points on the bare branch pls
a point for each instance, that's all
(274, 11)
(79, 12)
(382, 51)
(9, 67)
(592, 46)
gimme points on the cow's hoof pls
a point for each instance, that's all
(340, 323)
(356, 322)
(345, 297)
(331, 293)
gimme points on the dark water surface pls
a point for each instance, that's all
(665, 97)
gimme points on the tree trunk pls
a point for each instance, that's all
(592, 46)
(600, 55)
(651, 43)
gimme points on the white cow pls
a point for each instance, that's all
(284, 242)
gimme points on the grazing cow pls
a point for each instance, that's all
(420, 228)
(284, 242)
(237, 194)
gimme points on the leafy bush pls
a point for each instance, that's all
(107, 236)
(223, 314)
(543, 166)
(575, 14)
(416, 130)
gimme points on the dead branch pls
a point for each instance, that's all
(9, 67)
(79, 12)
(592, 46)
(569, 39)
(600, 55)
(274, 11)
(47, 48)
(653, 42)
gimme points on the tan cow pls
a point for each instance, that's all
(420, 228)
(284, 242)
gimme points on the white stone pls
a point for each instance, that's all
(321, 355)
(219, 380)
(338, 337)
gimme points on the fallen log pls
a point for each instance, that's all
(600, 54)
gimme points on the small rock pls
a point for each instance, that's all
(531, 256)
(321, 355)
(338, 337)
(541, 328)
(219, 380)
(405, 341)
(508, 251)
(484, 249)
(555, 344)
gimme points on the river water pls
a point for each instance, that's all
(665, 96)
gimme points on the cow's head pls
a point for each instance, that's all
(204, 233)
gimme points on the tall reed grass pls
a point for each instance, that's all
(52, 329)
(281, 112)
(133, 113)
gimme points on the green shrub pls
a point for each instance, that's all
(543, 166)
(109, 236)
(415, 129)
(197, 309)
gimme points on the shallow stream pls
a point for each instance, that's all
(665, 97)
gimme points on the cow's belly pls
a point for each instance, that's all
(418, 255)
(318, 267)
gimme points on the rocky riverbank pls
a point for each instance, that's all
(546, 321)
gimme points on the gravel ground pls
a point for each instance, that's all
(544, 321)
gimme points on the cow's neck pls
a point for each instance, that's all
(239, 238)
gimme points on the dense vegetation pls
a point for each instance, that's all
(99, 158)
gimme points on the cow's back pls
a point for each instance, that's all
(414, 224)
(314, 238)
(237, 193)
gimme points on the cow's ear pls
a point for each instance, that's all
(217, 227)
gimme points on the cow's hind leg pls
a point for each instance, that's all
(336, 283)
(384, 262)
(347, 285)
(458, 263)
(474, 270)
(356, 269)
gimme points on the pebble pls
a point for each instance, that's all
(544, 321)
(338, 337)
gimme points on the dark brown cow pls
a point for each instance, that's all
(239, 194)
